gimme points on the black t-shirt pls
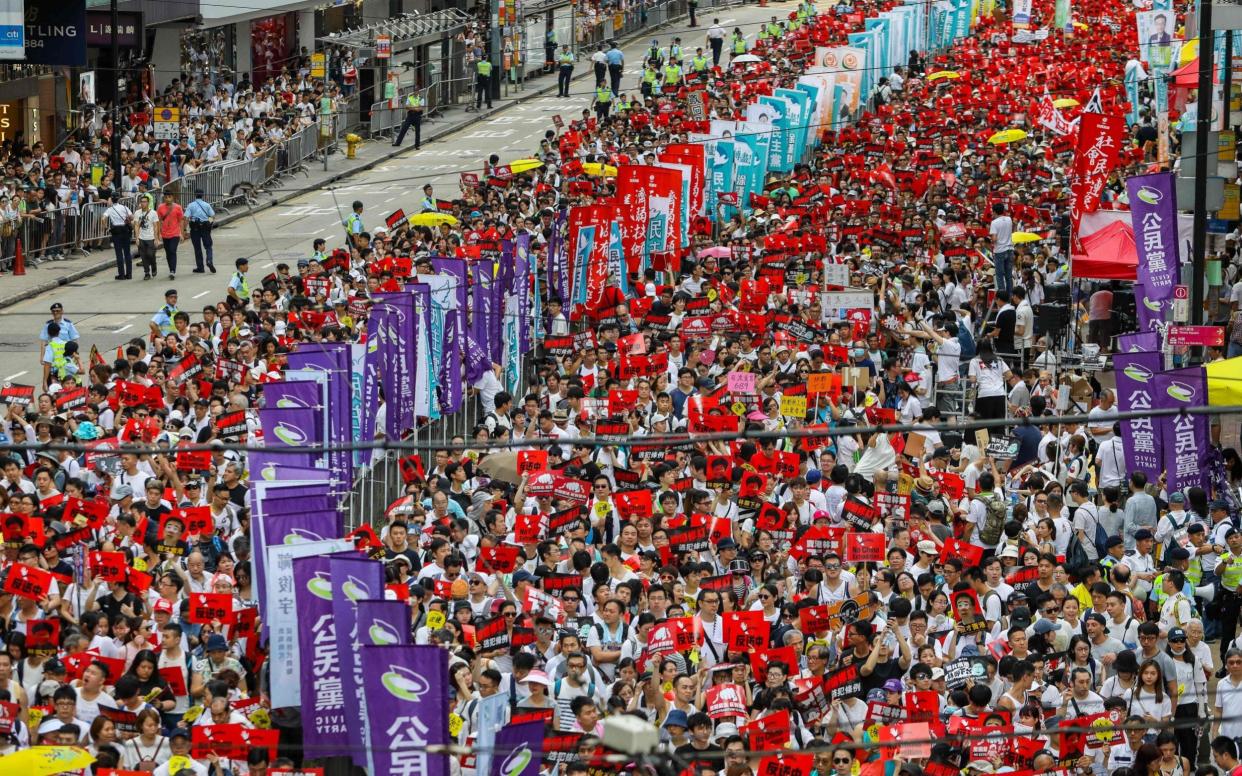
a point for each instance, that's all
(110, 606)
(889, 669)
(710, 757)
(237, 493)
(154, 514)
(1146, 134)
(1006, 320)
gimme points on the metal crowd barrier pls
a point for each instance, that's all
(83, 228)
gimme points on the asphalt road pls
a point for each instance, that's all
(109, 312)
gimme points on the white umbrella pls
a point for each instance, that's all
(745, 59)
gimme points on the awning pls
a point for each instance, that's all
(405, 31)
(1187, 76)
(219, 14)
(1109, 254)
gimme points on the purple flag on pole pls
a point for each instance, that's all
(454, 335)
(333, 358)
(558, 258)
(269, 530)
(294, 393)
(1141, 341)
(384, 623)
(353, 580)
(1185, 437)
(1150, 311)
(371, 368)
(1136, 386)
(519, 750)
(521, 288)
(1153, 214)
(407, 705)
(291, 427)
(324, 721)
(500, 287)
(398, 361)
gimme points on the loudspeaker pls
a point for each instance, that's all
(1050, 318)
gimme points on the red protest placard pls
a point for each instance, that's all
(725, 700)
(746, 631)
(864, 547)
(526, 528)
(951, 485)
(531, 461)
(632, 504)
(815, 619)
(193, 460)
(760, 659)
(206, 607)
(786, 765)
(108, 566)
(768, 732)
(223, 740)
(28, 581)
(956, 548)
(922, 706)
(500, 558)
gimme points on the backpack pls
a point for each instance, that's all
(603, 636)
(994, 523)
(556, 688)
(1100, 537)
(1075, 556)
(967, 340)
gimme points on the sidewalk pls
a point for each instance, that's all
(53, 274)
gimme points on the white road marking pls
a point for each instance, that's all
(15, 376)
(123, 328)
(269, 264)
(201, 294)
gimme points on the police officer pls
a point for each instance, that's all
(603, 102)
(739, 42)
(54, 359)
(549, 47)
(413, 118)
(699, 63)
(616, 66)
(565, 71)
(773, 28)
(599, 60)
(482, 82)
(650, 77)
(239, 289)
(672, 74)
(674, 51)
(68, 332)
(200, 214)
(715, 39)
(428, 202)
(655, 54)
(162, 321)
(353, 223)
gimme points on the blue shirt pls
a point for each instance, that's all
(68, 332)
(200, 210)
(615, 57)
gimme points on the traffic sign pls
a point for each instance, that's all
(167, 114)
(1186, 336)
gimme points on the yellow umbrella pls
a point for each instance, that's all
(595, 168)
(1025, 237)
(944, 74)
(519, 166)
(46, 760)
(1189, 52)
(1007, 136)
(1081, 26)
(432, 219)
(1065, 102)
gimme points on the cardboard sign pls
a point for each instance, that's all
(633, 504)
(500, 558)
(527, 529)
(222, 740)
(725, 701)
(843, 682)
(743, 382)
(28, 581)
(16, 395)
(531, 461)
(231, 426)
(108, 566)
(864, 547)
(956, 548)
(43, 637)
(793, 406)
(206, 607)
(769, 732)
(858, 513)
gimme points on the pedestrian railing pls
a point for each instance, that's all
(80, 229)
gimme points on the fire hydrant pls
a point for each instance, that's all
(351, 145)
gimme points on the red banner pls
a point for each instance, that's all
(746, 631)
(588, 241)
(1099, 143)
(639, 188)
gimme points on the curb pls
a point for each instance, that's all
(285, 196)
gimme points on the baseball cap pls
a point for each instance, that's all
(216, 643)
(893, 685)
(927, 546)
(1177, 634)
(163, 605)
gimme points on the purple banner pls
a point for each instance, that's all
(519, 750)
(1185, 437)
(407, 705)
(1141, 341)
(291, 427)
(1153, 214)
(371, 376)
(558, 258)
(324, 721)
(484, 309)
(451, 388)
(1136, 385)
(353, 580)
(499, 288)
(1150, 311)
(384, 623)
(333, 358)
(521, 288)
(397, 360)
(269, 527)
(477, 362)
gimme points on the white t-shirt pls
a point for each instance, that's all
(1026, 319)
(991, 378)
(1002, 233)
(948, 359)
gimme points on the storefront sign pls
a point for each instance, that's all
(383, 46)
(319, 67)
(128, 29)
(10, 120)
(55, 35)
(12, 30)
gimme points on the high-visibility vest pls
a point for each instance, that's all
(700, 64)
(1194, 572)
(1229, 569)
(671, 74)
(351, 222)
(484, 68)
(739, 44)
(603, 96)
(58, 353)
(413, 102)
(565, 58)
(655, 53)
(623, 104)
(243, 288)
(774, 29)
(650, 76)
